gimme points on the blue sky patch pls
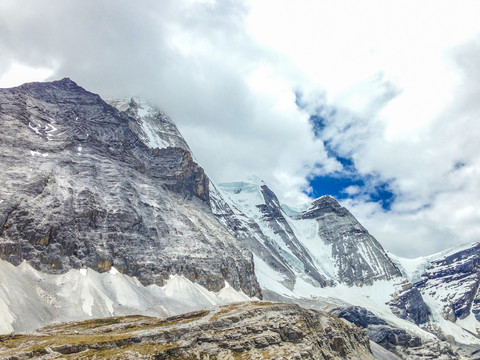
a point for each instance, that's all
(369, 186)
(336, 185)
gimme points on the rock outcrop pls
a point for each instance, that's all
(242, 331)
(378, 329)
(87, 185)
(408, 304)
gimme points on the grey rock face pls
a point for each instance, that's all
(339, 228)
(394, 339)
(261, 226)
(274, 216)
(390, 337)
(248, 331)
(453, 282)
(358, 316)
(378, 330)
(408, 304)
(82, 186)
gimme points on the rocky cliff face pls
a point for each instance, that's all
(243, 331)
(339, 228)
(453, 283)
(274, 216)
(252, 213)
(408, 304)
(397, 340)
(449, 284)
(87, 185)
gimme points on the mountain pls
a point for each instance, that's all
(104, 211)
(322, 246)
(449, 282)
(315, 245)
(339, 228)
(88, 185)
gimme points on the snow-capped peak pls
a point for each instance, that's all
(154, 127)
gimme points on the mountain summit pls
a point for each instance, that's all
(339, 228)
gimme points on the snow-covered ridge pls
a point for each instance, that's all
(259, 216)
(414, 268)
(359, 271)
(154, 127)
(30, 299)
(311, 241)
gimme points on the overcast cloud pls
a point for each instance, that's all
(396, 82)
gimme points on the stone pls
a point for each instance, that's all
(409, 304)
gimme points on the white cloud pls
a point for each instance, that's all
(402, 78)
(18, 74)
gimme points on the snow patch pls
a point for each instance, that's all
(151, 137)
(230, 295)
(38, 153)
(34, 128)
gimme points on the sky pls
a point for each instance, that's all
(373, 102)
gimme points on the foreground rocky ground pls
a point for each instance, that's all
(259, 330)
